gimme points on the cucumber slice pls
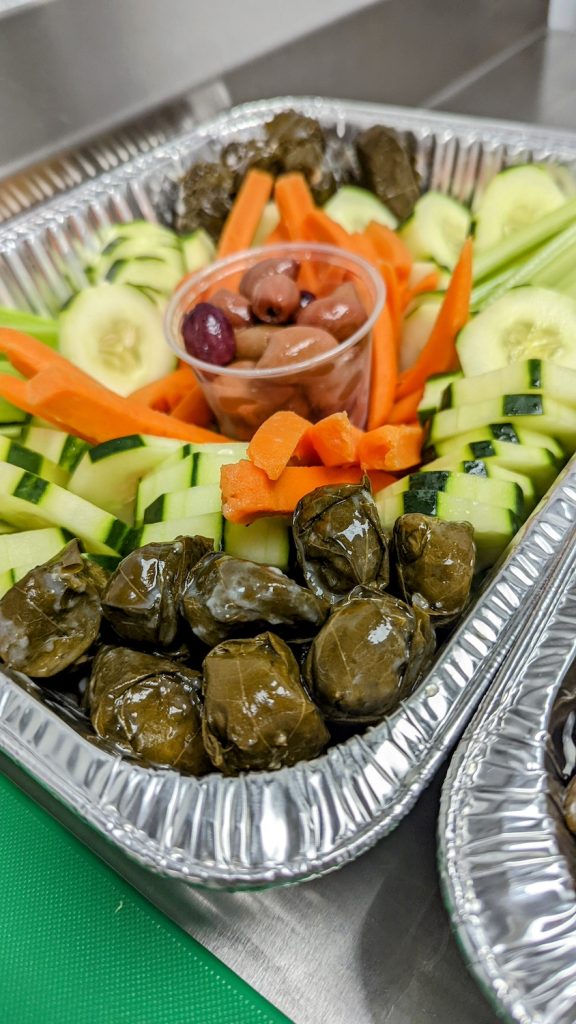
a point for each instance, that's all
(63, 449)
(194, 526)
(472, 486)
(6, 581)
(515, 197)
(211, 458)
(148, 271)
(537, 411)
(353, 208)
(527, 323)
(14, 453)
(30, 547)
(437, 229)
(433, 391)
(7, 528)
(534, 469)
(193, 501)
(192, 465)
(505, 433)
(267, 541)
(541, 377)
(148, 234)
(416, 330)
(268, 223)
(108, 474)
(125, 250)
(488, 467)
(115, 335)
(494, 527)
(28, 501)
(198, 250)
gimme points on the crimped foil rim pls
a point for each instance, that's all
(299, 822)
(527, 967)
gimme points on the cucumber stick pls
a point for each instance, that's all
(534, 469)
(531, 375)
(31, 547)
(209, 525)
(530, 411)
(108, 474)
(470, 486)
(29, 502)
(266, 541)
(416, 329)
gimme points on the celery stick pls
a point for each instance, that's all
(563, 266)
(39, 327)
(524, 239)
(544, 258)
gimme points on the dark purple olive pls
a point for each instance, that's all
(208, 335)
(306, 298)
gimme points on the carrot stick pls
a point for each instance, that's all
(335, 440)
(244, 217)
(294, 200)
(439, 353)
(429, 283)
(405, 410)
(248, 494)
(193, 408)
(317, 226)
(278, 236)
(27, 354)
(394, 298)
(275, 441)
(391, 448)
(390, 248)
(164, 394)
(384, 370)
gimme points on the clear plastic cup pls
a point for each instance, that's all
(336, 381)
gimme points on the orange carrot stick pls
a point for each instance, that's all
(27, 354)
(439, 353)
(248, 494)
(193, 408)
(390, 248)
(335, 440)
(164, 394)
(294, 200)
(429, 283)
(244, 217)
(405, 410)
(384, 370)
(392, 448)
(275, 442)
(317, 226)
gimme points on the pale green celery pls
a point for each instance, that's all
(545, 257)
(564, 266)
(481, 292)
(493, 259)
(39, 327)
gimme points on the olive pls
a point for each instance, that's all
(306, 298)
(341, 312)
(295, 345)
(208, 335)
(251, 342)
(267, 268)
(236, 307)
(275, 298)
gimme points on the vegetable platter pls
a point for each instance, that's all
(316, 812)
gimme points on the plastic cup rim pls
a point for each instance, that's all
(334, 254)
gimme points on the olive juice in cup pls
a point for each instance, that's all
(284, 327)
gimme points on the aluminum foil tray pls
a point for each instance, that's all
(507, 860)
(299, 822)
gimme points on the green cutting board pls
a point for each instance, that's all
(78, 945)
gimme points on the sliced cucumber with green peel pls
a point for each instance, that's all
(488, 467)
(471, 486)
(193, 501)
(108, 474)
(209, 525)
(539, 376)
(437, 229)
(353, 208)
(147, 233)
(176, 475)
(64, 449)
(115, 335)
(433, 392)
(31, 547)
(7, 581)
(505, 433)
(494, 527)
(525, 411)
(198, 250)
(533, 468)
(267, 541)
(210, 458)
(14, 453)
(29, 502)
(527, 323)
(515, 197)
(416, 329)
(155, 272)
(9, 413)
